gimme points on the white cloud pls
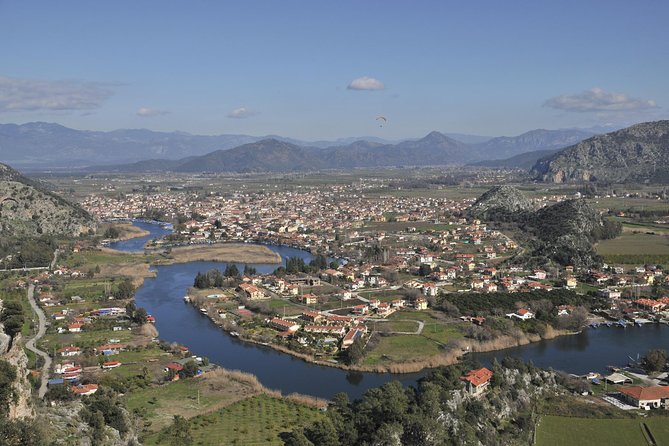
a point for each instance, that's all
(241, 113)
(598, 100)
(148, 112)
(366, 83)
(18, 94)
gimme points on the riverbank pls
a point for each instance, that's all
(127, 231)
(220, 252)
(454, 354)
(140, 267)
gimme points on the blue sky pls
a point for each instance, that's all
(321, 70)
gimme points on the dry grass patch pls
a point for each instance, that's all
(228, 252)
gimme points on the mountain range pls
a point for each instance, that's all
(280, 156)
(40, 145)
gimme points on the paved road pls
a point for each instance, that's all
(30, 345)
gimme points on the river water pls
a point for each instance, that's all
(137, 244)
(162, 296)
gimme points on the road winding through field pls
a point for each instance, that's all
(30, 345)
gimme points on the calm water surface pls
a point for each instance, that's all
(137, 244)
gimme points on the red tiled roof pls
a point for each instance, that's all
(646, 393)
(175, 366)
(478, 376)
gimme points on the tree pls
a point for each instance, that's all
(111, 232)
(180, 432)
(20, 433)
(295, 438)
(130, 308)
(249, 270)
(140, 315)
(231, 270)
(655, 360)
(424, 269)
(322, 433)
(97, 423)
(356, 351)
(7, 391)
(125, 289)
(201, 281)
(189, 370)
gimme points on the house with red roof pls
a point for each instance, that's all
(523, 314)
(70, 350)
(84, 389)
(283, 325)
(646, 397)
(74, 328)
(476, 381)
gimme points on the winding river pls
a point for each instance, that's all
(162, 296)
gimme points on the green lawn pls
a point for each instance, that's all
(443, 333)
(565, 431)
(253, 421)
(399, 325)
(86, 288)
(400, 348)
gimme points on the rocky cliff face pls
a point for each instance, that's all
(637, 153)
(566, 232)
(17, 357)
(500, 202)
(28, 209)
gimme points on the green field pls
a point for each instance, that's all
(635, 244)
(253, 421)
(565, 431)
(396, 325)
(401, 348)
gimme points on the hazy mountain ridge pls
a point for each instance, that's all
(523, 161)
(40, 144)
(507, 146)
(636, 153)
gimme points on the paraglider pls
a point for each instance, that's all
(382, 120)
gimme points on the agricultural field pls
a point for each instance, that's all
(253, 421)
(635, 244)
(157, 405)
(566, 431)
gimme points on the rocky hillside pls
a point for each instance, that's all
(637, 153)
(563, 233)
(566, 232)
(28, 209)
(500, 203)
(508, 146)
